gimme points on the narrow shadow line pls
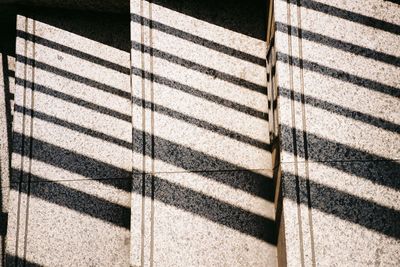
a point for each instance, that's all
(339, 74)
(202, 124)
(200, 68)
(340, 110)
(195, 92)
(12, 260)
(198, 40)
(213, 209)
(8, 96)
(348, 15)
(73, 76)
(69, 160)
(75, 100)
(322, 150)
(338, 44)
(73, 52)
(56, 193)
(353, 209)
(76, 127)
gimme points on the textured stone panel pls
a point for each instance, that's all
(358, 201)
(72, 124)
(200, 219)
(72, 107)
(70, 223)
(199, 100)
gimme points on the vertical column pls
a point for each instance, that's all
(339, 132)
(142, 123)
(72, 164)
(203, 189)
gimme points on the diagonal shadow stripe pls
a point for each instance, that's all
(338, 44)
(68, 160)
(339, 74)
(169, 193)
(211, 208)
(200, 68)
(73, 76)
(350, 208)
(73, 52)
(321, 150)
(57, 193)
(202, 124)
(198, 40)
(196, 161)
(105, 173)
(195, 92)
(75, 127)
(340, 110)
(12, 260)
(348, 15)
(72, 99)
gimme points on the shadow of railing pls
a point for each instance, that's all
(338, 44)
(172, 153)
(348, 15)
(339, 74)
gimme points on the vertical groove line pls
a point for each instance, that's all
(22, 146)
(151, 133)
(305, 141)
(294, 135)
(143, 139)
(30, 139)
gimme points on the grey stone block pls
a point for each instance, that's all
(360, 208)
(72, 116)
(339, 118)
(198, 219)
(72, 125)
(199, 91)
(70, 223)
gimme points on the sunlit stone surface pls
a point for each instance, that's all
(338, 68)
(71, 168)
(201, 135)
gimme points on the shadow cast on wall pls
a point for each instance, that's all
(172, 153)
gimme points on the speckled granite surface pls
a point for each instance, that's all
(203, 191)
(337, 67)
(7, 86)
(71, 166)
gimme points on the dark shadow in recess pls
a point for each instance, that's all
(7, 49)
(240, 16)
(96, 26)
